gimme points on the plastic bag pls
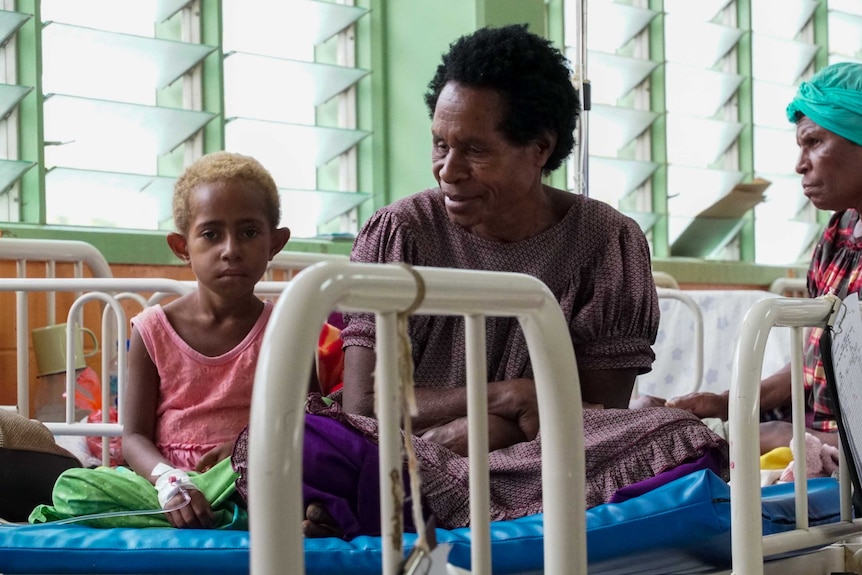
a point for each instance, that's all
(88, 396)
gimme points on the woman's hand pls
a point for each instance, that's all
(702, 404)
(454, 436)
(214, 455)
(515, 400)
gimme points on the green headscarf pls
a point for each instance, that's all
(832, 99)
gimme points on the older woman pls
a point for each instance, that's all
(503, 113)
(827, 111)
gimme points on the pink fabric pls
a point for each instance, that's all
(203, 401)
(821, 459)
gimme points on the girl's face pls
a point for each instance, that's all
(230, 240)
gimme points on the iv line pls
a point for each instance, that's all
(186, 500)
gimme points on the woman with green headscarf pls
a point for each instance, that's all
(827, 111)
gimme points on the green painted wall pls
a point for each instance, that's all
(411, 38)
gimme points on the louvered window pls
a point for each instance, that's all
(688, 102)
(130, 93)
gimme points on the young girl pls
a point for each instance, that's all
(192, 362)
(191, 371)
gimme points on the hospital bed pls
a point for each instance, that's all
(24, 254)
(664, 280)
(717, 315)
(109, 294)
(686, 370)
(285, 265)
(681, 527)
(38, 302)
(475, 294)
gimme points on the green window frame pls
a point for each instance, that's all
(723, 88)
(196, 107)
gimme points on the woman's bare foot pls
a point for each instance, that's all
(319, 523)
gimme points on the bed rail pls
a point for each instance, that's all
(749, 547)
(290, 263)
(790, 287)
(664, 280)
(277, 413)
(110, 291)
(49, 252)
(52, 251)
(688, 301)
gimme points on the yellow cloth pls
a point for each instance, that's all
(778, 458)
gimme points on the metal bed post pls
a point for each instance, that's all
(75, 311)
(749, 546)
(477, 442)
(388, 400)
(797, 392)
(582, 85)
(22, 363)
(688, 301)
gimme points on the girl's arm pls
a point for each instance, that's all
(139, 410)
(139, 448)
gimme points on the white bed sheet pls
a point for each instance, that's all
(673, 372)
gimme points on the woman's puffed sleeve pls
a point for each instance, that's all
(616, 323)
(384, 238)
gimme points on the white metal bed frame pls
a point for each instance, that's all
(293, 262)
(276, 465)
(664, 280)
(790, 287)
(688, 301)
(279, 393)
(749, 547)
(110, 291)
(50, 252)
(388, 289)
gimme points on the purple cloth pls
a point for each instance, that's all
(336, 319)
(712, 459)
(340, 470)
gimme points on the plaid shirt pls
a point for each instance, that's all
(835, 267)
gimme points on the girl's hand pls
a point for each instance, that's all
(214, 455)
(196, 514)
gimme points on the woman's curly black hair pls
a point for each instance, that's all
(533, 77)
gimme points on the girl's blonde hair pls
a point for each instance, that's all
(220, 167)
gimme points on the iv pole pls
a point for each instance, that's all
(582, 85)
